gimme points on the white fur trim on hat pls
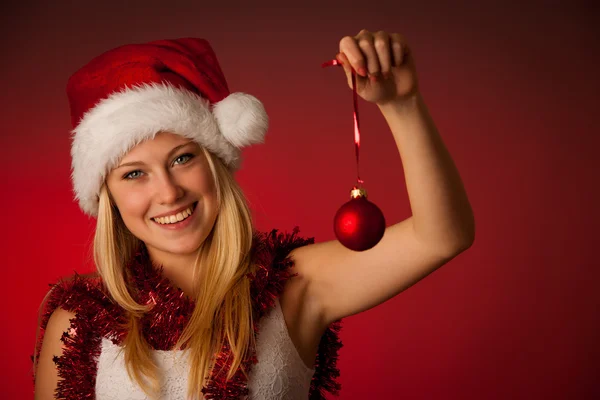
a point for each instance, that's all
(242, 119)
(124, 119)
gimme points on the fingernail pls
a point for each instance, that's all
(362, 71)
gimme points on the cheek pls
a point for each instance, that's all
(202, 181)
(208, 185)
(132, 206)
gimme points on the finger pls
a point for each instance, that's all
(350, 48)
(399, 48)
(341, 57)
(366, 45)
(360, 81)
(381, 43)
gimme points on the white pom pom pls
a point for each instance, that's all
(242, 119)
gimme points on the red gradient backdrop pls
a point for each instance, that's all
(514, 92)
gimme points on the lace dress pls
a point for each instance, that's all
(92, 362)
(279, 374)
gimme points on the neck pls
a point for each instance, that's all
(178, 268)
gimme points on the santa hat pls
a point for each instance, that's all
(131, 93)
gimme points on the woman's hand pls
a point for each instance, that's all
(384, 65)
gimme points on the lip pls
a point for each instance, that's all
(174, 212)
(180, 224)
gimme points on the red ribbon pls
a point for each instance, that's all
(356, 127)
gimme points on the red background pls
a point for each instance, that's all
(513, 90)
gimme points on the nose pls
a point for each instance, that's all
(167, 189)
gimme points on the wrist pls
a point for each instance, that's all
(405, 105)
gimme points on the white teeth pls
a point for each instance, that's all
(171, 219)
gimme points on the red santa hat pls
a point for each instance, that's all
(131, 93)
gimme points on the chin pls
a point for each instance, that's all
(183, 245)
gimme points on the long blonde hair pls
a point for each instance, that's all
(222, 302)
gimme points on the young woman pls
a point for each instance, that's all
(189, 300)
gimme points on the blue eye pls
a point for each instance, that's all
(186, 156)
(182, 159)
(129, 175)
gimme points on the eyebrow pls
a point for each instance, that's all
(173, 150)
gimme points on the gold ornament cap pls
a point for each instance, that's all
(357, 192)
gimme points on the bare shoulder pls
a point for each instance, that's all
(46, 375)
(54, 326)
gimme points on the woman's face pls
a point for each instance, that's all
(159, 182)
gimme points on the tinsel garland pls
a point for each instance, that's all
(97, 316)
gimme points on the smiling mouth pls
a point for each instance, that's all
(175, 218)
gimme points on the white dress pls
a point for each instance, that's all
(279, 374)
(92, 365)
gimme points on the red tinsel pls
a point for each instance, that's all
(98, 316)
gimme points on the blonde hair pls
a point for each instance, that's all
(222, 303)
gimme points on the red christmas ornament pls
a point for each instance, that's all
(359, 224)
